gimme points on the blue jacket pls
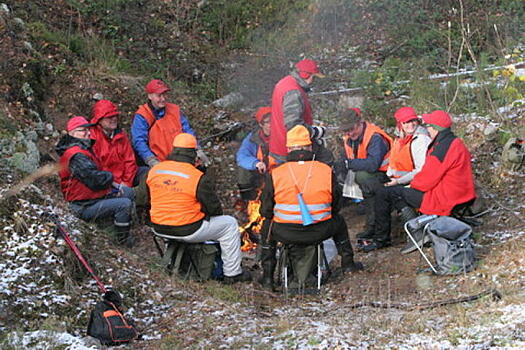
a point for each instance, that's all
(140, 132)
(376, 150)
(247, 153)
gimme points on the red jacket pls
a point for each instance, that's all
(446, 178)
(115, 155)
(277, 143)
(72, 188)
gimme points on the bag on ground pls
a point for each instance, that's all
(452, 244)
(109, 326)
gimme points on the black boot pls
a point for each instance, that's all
(268, 263)
(407, 214)
(344, 248)
(124, 237)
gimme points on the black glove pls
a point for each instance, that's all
(341, 169)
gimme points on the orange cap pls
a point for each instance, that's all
(298, 136)
(184, 140)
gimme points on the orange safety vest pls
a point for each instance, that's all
(370, 130)
(173, 192)
(313, 179)
(162, 131)
(401, 162)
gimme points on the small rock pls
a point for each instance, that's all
(4, 9)
(234, 98)
(97, 96)
(490, 130)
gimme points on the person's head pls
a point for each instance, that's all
(351, 123)
(298, 138)
(436, 122)
(407, 120)
(262, 116)
(157, 90)
(105, 114)
(78, 127)
(307, 70)
(184, 147)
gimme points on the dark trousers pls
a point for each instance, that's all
(249, 181)
(388, 198)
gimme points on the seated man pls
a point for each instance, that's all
(252, 156)
(445, 180)
(184, 206)
(112, 146)
(91, 192)
(314, 180)
(367, 148)
(156, 123)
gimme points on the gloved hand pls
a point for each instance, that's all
(116, 189)
(152, 161)
(203, 157)
(341, 167)
(317, 132)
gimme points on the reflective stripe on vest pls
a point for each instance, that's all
(72, 188)
(162, 131)
(173, 193)
(370, 130)
(316, 189)
(401, 162)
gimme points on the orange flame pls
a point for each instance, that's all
(254, 225)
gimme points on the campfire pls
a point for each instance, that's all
(251, 230)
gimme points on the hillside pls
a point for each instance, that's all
(221, 59)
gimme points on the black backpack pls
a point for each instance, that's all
(108, 325)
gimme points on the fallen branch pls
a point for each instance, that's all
(496, 295)
(46, 170)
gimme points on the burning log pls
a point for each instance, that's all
(251, 230)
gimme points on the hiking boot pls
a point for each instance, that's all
(373, 245)
(123, 234)
(419, 238)
(266, 280)
(244, 276)
(368, 233)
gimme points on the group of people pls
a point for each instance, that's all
(426, 167)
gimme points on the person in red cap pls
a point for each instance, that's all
(185, 207)
(291, 107)
(406, 159)
(366, 153)
(156, 123)
(444, 182)
(252, 156)
(112, 146)
(91, 191)
(280, 206)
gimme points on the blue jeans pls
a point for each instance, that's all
(117, 205)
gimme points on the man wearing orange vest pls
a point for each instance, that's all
(156, 123)
(315, 182)
(407, 158)
(252, 156)
(185, 207)
(92, 192)
(366, 148)
(291, 107)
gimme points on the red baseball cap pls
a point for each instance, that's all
(356, 110)
(405, 114)
(77, 122)
(262, 112)
(103, 109)
(156, 86)
(440, 118)
(307, 67)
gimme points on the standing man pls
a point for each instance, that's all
(156, 123)
(185, 207)
(252, 156)
(445, 180)
(92, 192)
(112, 146)
(367, 148)
(291, 107)
(280, 206)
